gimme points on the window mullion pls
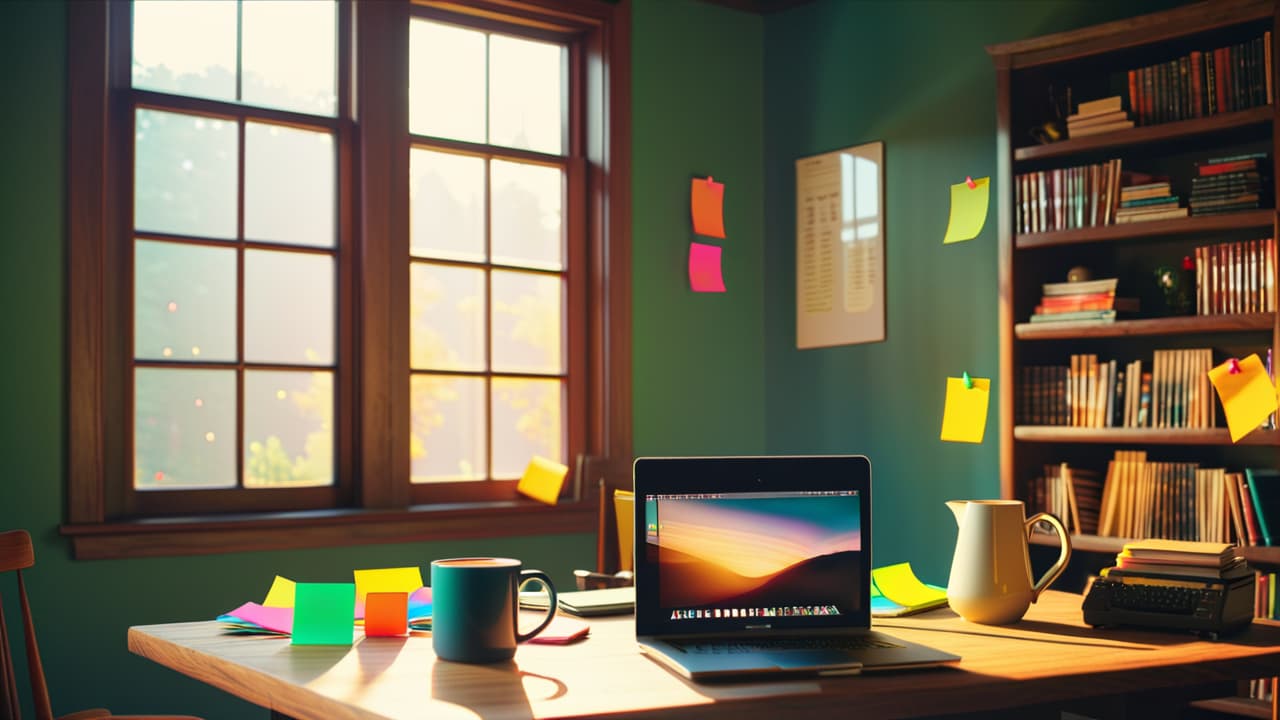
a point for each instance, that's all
(381, 111)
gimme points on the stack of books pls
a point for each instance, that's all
(1229, 184)
(1150, 201)
(1097, 117)
(1081, 301)
(1179, 559)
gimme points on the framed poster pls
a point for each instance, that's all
(840, 247)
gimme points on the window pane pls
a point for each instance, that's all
(185, 47)
(446, 81)
(528, 203)
(288, 429)
(527, 319)
(288, 308)
(184, 429)
(446, 317)
(290, 50)
(447, 439)
(185, 174)
(526, 94)
(446, 205)
(184, 302)
(289, 194)
(526, 422)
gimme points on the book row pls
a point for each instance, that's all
(1203, 83)
(1172, 392)
(1236, 277)
(1141, 498)
(1067, 198)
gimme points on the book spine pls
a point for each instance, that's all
(1210, 87)
(1224, 79)
(1183, 94)
(1148, 95)
(1197, 84)
(1132, 78)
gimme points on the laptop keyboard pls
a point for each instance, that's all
(863, 642)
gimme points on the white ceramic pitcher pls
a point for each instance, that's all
(991, 571)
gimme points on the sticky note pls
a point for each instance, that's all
(1248, 396)
(323, 613)
(706, 199)
(704, 268)
(386, 614)
(899, 584)
(403, 579)
(542, 480)
(420, 604)
(968, 210)
(280, 594)
(964, 417)
(275, 619)
(562, 631)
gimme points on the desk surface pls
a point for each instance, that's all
(1049, 656)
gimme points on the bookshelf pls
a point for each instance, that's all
(1096, 63)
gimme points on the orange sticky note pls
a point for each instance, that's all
(704, 268)
(386, 614)
(542, 480)
(706, 198)
(1248, 396)
(964, 417)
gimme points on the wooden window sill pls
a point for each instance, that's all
(156, 537)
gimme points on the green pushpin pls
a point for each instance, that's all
(968, 382)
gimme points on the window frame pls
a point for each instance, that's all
(375, 500)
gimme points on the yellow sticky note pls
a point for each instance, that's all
(900, 584)
(542, 480)
(1248, 396)
(964, 417)
(403, 579)
(968, 210)
(280, 594)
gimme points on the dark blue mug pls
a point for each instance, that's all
(474, 603)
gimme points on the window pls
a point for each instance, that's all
(375, 306)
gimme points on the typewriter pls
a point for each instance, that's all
(1209, 607)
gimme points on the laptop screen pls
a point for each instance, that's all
(752, 557)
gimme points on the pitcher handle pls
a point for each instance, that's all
(1063, 556)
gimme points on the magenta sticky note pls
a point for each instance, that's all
(704, 268)
(279, 619)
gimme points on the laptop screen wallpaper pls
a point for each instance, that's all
(755, 554)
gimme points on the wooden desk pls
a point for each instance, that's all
(1048, 658)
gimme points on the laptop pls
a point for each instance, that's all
(749, 566)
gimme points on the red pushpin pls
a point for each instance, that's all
(1233, 366)
(709, 180)
(969, 181)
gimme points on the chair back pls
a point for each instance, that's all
(16, 555)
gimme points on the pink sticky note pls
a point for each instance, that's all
(706, 199)
(561, 631)
(704, 268)
(279, 619)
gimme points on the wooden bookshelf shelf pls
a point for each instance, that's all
(1242, 322)
(1255, 554)
(1238, 706)
(1190, 225)
(1170, 131)
(1140, 436)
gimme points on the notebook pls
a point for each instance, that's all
(749, 566)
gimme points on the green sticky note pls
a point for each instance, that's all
(323, 613)
(968, 210)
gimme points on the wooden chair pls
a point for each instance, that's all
(604, 476)
(17, 554)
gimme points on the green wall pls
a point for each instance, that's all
(914, 75)
(698, 104)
